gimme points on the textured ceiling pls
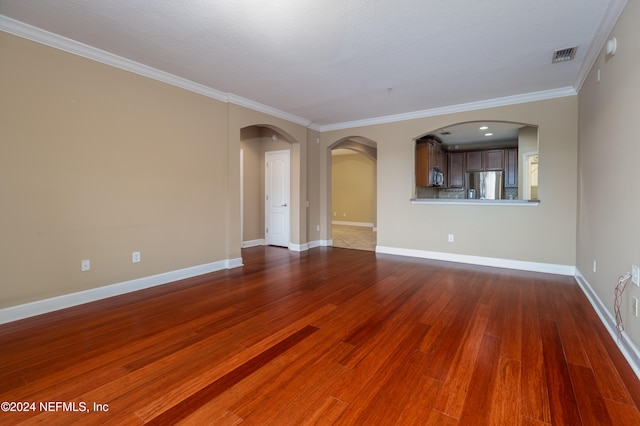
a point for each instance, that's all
(337, 61)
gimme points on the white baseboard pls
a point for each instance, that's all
(626, 346)
(292, 246)
(299, 247)
(319, 243)
(253, 243)
(363, 224)
(522, 265)
(314, 244)
(14, 313)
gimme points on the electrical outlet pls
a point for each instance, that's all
(450, 237)
(634, 275)
(634, 306)
(135, 257)
(595, 266)
(317, 227)
(85, 265)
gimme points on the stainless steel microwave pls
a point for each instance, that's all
(437, 177)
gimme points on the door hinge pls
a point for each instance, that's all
(267, 231)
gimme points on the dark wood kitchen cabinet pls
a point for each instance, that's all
(429, 155)
(494, 159)
(422, 164)
(456, 169)
(480, 161)
(511, 168)
(475, 161)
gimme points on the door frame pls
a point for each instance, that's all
(286, 202)
(526, 178)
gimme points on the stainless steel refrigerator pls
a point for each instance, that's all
(484, 185)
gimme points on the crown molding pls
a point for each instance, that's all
(56, 41)
(41, 36)
(316, 127)
(471, 106)
(256, 106)
(604, 29)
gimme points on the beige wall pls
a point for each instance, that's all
(253, 185)
(314, 184)
(527, 143)
(353, 188)
(609, 149)
(96, 163)
(544, 234)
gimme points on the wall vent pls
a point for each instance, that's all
(562, 55)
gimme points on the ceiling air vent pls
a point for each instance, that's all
(562, 55)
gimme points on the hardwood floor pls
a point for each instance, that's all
(327, 336)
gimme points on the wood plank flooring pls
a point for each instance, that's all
(327, 336)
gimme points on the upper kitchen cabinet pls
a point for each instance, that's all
(430, 163)
(494, 159)
(480, 161)
(474, 161)
(455, 170)
(511, 168)
(422, 164)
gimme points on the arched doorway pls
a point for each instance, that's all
(262, 147)
(353, 193)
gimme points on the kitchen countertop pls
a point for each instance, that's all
(475, 202)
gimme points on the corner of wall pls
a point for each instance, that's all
(626, 346)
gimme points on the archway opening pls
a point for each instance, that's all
(257, 143)
(353, 193)
(477, 160)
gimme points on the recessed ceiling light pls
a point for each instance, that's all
(484, 128)
(488, 134)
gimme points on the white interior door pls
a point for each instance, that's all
(277, 202)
